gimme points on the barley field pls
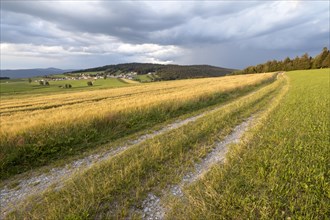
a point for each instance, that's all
(36, 129)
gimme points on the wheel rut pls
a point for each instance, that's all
(152, 207)
(13, 193)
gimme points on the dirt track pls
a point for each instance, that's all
(152, 205)
(36, 184)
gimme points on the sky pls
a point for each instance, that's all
(232, 34)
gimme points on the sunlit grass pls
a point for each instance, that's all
(22, 87)
(282, 169)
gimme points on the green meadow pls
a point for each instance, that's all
(281, 171)
(22, 86)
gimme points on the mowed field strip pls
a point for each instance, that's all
(280, 170)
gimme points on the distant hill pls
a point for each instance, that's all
(26, 73)
(163, 72)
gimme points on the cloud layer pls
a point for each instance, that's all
(79, 34)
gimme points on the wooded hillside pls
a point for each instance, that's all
(164, 72)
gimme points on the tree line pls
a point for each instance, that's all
(304, 62)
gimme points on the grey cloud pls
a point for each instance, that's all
(184, 23)
(205, 31)
(126, 20)
(233, 55)
(134, 21)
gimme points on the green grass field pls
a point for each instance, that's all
(282, 171)
(17, 87)
(87, 73)
(59, 75)
(144, 78)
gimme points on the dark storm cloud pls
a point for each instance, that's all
(126, 20)
(135, 22)
(163, 31)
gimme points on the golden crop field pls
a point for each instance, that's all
(22, 114)
(40, 126)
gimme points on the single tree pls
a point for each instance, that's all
(304, 62)
(30, 80)
(326, 61)
(318, 60)
(287, 64)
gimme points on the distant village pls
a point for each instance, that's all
(83, 76)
